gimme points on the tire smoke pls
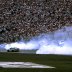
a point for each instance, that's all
(57, 42)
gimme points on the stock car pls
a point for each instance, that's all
(13, 50)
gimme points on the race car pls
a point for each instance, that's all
(13, 50)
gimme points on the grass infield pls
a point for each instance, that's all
(63, 63)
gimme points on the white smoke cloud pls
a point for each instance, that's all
(58, 42)
(55, 49)
(22, 45)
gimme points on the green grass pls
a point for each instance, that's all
(61, 62)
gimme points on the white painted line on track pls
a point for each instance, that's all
(22, 65)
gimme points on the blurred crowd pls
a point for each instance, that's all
(28, 18)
